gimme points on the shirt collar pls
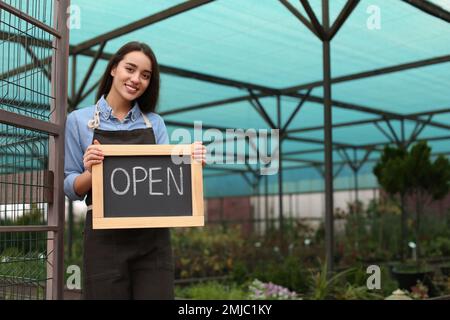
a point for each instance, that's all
(106, 110)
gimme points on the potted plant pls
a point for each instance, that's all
(410, 273)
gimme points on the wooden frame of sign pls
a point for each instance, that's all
(99, 221)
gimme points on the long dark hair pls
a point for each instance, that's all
(148, 100)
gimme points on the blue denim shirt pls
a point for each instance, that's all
(79, 136)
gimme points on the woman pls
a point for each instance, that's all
(123, 263)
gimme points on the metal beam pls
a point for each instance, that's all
(9, 229)
(391, 139)
(90, 90)
(375, 120)
(372, 73)
(59, 85)
(210, 104)
(394, 134)
(36, 60)
(157, 17)
(336, 172)
(294, 113)
(220, 128)
(417, 131)
(362, 162)
(25, 68)
(73, 85)
(430, 8)
(22, 121)
(315, 22)
(328, 133)
(369, 146)
(335, 125)
(35, 22)
(429, 113)
(296, 13)
(378, 111)
(88, 74)
(25, 104)
(343, 16)
(280, 178)
(260, 109)
(317, 141)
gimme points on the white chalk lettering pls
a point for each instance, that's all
(151, 181)
(140, 180)
(157, 185)
(170, 173)
(120, 193)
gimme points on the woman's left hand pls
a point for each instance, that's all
(199, 152)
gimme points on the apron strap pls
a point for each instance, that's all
(146, 120)
(95, 123)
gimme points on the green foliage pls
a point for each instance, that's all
(76, 257)
(412, 267)
(288, 273)
(15, 264)
(400, 171)
(439, 246)
(370, 235)
(212, 290)
(413, 173)
(322, 285)
(209, 251)
(25, 242)
(390, 170)
(352, 292)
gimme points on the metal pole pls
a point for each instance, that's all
(72, 106)
(266, 201)
(280, 172)
(70, 229)
(329, 236)
(355, 174)
(55, 243)
(254, 209)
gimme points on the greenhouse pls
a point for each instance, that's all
(326, 125)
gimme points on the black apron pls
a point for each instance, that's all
(126, 263)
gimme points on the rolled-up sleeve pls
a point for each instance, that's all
(162, 137)
(73, 165)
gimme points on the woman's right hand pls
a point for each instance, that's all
(93, 155)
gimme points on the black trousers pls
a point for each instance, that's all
(127, 263)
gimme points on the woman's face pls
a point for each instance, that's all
(131, 76)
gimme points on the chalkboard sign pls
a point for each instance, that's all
(147, 186)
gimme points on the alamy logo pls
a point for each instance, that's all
(74, 280)
(374, 280)
(374, 20)
(233, 146)
(74, 20)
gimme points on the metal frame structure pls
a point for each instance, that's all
(325, 33)
(54, 128)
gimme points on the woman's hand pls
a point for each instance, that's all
(199, 152)
(93, 155)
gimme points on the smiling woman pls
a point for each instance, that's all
(133, 263)
(132, 77)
